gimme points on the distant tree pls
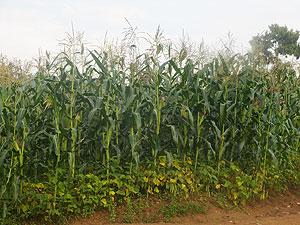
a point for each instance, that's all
(277, 40)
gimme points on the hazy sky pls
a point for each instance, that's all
(28, 25)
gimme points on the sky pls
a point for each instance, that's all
(30, 26)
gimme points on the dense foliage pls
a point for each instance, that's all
(79, 136)
(278, 40)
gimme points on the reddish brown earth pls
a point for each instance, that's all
(283, 209)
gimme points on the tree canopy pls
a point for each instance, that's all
(277, 40)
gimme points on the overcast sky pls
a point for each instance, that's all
(29, 25)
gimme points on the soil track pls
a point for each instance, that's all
(282, 209)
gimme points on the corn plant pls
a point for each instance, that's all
(74, 118)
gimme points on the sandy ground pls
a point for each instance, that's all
(278, 210)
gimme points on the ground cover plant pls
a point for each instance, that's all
(94, 129)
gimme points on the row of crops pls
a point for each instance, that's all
(136, 128)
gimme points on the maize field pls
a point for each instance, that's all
(74, 119)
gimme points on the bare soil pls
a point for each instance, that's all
(279, 209)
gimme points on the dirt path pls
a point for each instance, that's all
(278, 210)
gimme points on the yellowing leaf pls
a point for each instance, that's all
(156, 181)
(173, 181)
(103, 200)
(162, 164)
(188, 180)
(235, 195)
(189, 161)
(161, 177)
(24, 208)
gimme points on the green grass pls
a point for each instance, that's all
(181, 209)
